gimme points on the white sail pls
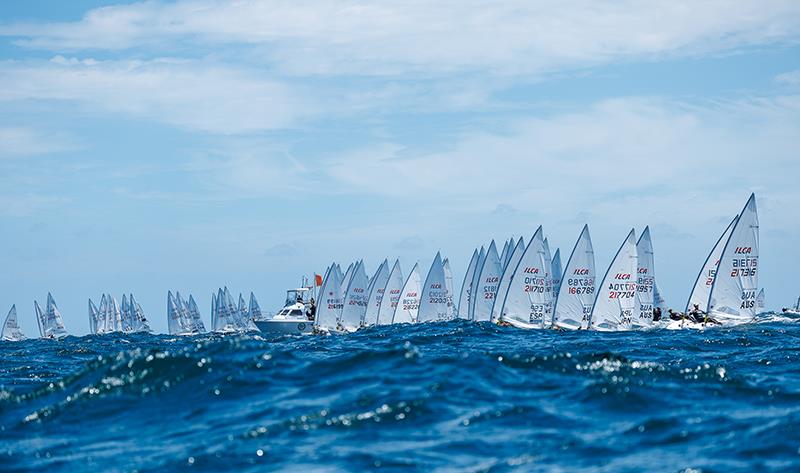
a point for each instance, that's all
(505, 278)
(214, 307)
(734, 290)
(474, 285)
(575, 298)
(105, 323)
(255, 309)
(355, 299)
(614, 302)
(658, 299)
(11, 330)
(557, 272)
(53, 324)
(463, 299)
(391, 295)
(644, 301)
(512, 245)
(39, 317)
(197, 319)
(375, 298)
(234, 316)
(526, 299)
(346, 280)
(408, 305)
(705, 278)
(486, 287)
(116, 314)
(504, 254)
(760, 303)
(223, 319)
(173, 316)
(242, 309)
(448, 284)
(94, 318)
(140, 320)
(548, 290)
(330, 304)
(433, 301)
(127, 322)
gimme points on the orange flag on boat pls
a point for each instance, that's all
(318, 279)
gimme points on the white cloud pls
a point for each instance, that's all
(21, 141)
(190, 94)
(790, 79)
(348, 36)
(616, 153)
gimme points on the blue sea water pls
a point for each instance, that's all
(450, 396)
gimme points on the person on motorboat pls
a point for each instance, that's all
(311, 312)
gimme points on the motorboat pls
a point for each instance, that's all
(293, 318)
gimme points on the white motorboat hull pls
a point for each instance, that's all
(285, 327)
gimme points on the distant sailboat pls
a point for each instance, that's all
(330, 303)
(474, 285)
(391, 295)
(614, 302)
(557, 272)
(345, 281)
(575, 299)
(140, 323)
(734, 290)
(760, 303)
(505, 278)
(255, 309)
(701, 291)
(548, 289)
(194, 312)
(11, 331)
(355, 300)
(94, 318)
(433, 301)
(448, 284)
(408, 306)
(486, 285)
(376, 292)
(504, 254)
(645, 282)
(51, 324)
(525, 301)
(462, 311)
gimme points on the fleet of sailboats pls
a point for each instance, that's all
(523, 286)
(110, 317)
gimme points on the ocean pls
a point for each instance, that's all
(452, 396)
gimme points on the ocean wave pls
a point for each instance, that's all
(462, 396)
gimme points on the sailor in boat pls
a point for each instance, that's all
(676, 315)
(701, 317)
(656, 314)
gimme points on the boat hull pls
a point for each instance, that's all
(285, 327)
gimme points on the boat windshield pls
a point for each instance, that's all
(297, 312)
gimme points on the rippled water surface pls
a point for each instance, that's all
(450, 396)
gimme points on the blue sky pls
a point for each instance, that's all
(148, 146)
